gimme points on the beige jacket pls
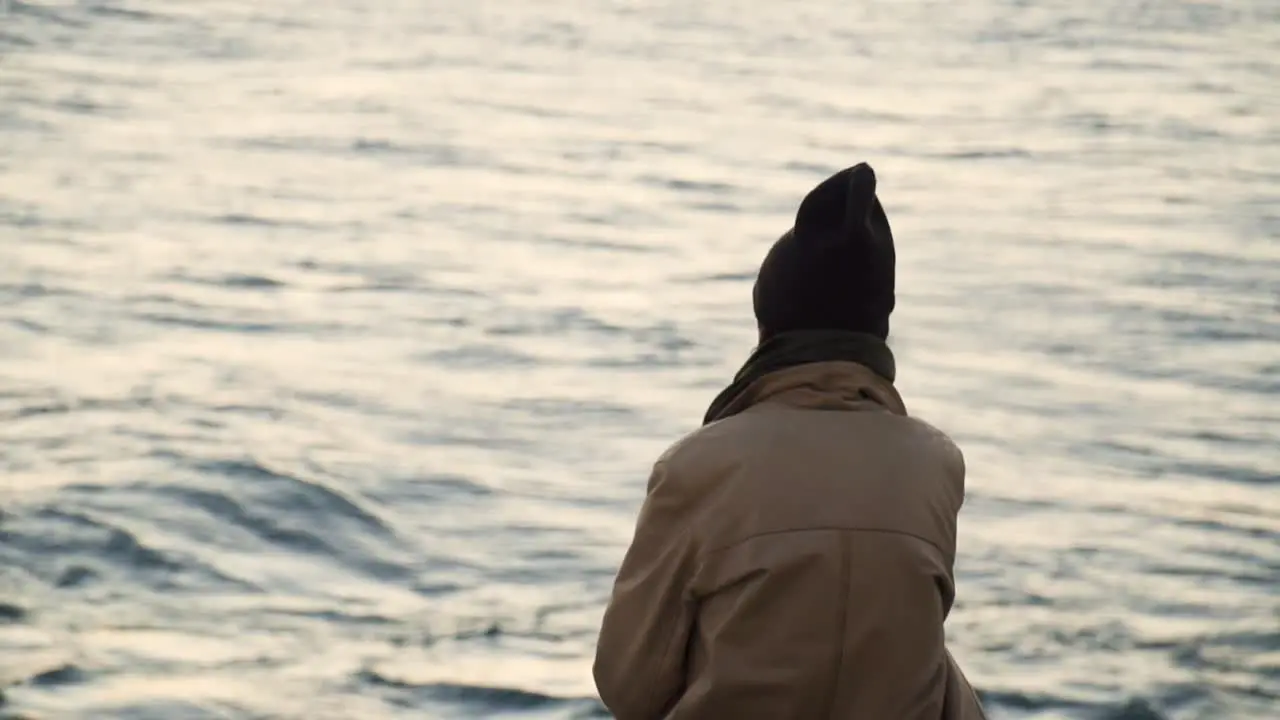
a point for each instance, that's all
(793, 561)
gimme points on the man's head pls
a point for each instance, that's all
(834, 270)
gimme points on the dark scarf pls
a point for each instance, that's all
(802, 347)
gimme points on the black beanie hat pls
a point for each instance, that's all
(834, 270)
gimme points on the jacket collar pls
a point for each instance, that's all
(833, 385)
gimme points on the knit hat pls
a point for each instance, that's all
(834, 270)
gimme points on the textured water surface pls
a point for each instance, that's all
(336, 339)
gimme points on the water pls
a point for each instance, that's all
(336, 339)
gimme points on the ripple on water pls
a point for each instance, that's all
(245, 506)
(69, 548)
(60, 676)
(11, 613)
(475, 698)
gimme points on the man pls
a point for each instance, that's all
(793, 557)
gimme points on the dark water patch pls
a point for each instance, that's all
(382, 281)
(168, 301)
(648, 361)
(368, 407)
(173, 710)
(224, 326)
(1236, 527)
(593, 154)
(550, 558)
(1268, 575)
(1198, 269)
(337, 400)
(454, 485)
(286, 521)
(724, 277)
(437, 589)
(30, 290)
(9, 40)
(373, 278)
(1027, 702)
(59, 677)
(233, 280)
(1196, 17)
(489, 631)
(337, 617)
(297, 494)
(496, 698)
(806, 168)
(20, 218)
(1197, 327)
(1105, 637)
(686, 185)
(545, 112)
(1262, 330)
(64, 532)
(1181, 130)
(596, 244)
(1219, 471)
(263, 526)
(715, 206)
(45, 13)
(1135, 709)
(477, 698)
(1121, 64)
(663, 336)
(474, 356)
(66, 406)
(550, 407)
(488, 438)
(112, 11)
(984, 154)
(591, 710)
(30, 326)
(555, 322)
(394, 286)
(557, 34)
(1221, 438)
(264, 412)
(1255, 386)
(248, 220)
(588, 218)
(80, 105)
(1179, 200)
(666, 147)
(1230, 651)
(76, 576)
(30, 411)
(1117, 451)
(1099, 123)
(427, 155)
(293, 143)
(10, 613)
(546, 613)
(92, 550)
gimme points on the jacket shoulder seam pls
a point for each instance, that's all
(827, 528)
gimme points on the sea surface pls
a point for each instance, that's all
(337, 338)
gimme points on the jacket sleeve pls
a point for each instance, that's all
(639, 664)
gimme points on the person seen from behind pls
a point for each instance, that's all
(793, 558)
